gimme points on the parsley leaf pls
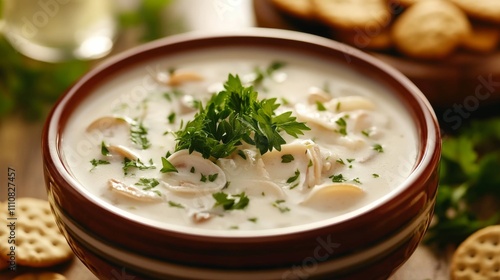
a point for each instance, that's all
(234, 116)
(139, 135)
(167, 166)
(135, 164)
(97, 162)
(147, 183)
(231, 202)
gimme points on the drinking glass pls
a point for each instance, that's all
(59, 30)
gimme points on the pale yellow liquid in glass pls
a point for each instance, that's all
(57, 30)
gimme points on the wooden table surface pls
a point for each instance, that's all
(20, 144)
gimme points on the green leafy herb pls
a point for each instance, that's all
(342, 126)
(171, 118)
(139, 135)
(287, 158)
(167, 166)
(253, 220)
(320, 106)
(378, 148)
(97, 162)
(356, 180)
(175, 204)
(366, 132)
(468, 196)
(104, 149)
(231, 202)
(294, 177)
(147, 183)
(375, 175)
(135, 164)
(234, 116)
(278, 204)
(339, 178)
(213, 177)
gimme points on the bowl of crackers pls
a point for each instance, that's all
(257, 154)
(449, 48)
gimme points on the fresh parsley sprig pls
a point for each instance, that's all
(233, 116)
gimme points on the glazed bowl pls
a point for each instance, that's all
(369, 242)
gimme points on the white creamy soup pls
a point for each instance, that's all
(338, 141)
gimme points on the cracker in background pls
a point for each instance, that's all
(39, 243)
(486, 10)
(352, 14)
(378, 41)
(478, 257)
(430, 29)
(297, 8)
(483, 39)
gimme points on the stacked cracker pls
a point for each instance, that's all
(34, 238)
(422, 29)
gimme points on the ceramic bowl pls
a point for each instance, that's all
(370, 243)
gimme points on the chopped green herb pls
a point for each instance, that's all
(342, 126)
(234, 116)
(310, 163)
(192, 170)
(104, 149)
(375, 175)
(203, 178)
(378, 148)
(339, 178)
(242, 154)
(287, 158)
(253, 220)
(278, 204)
(175, 204)
(294, 177)
(231, 202)
(337, 108)
(350, 160)
(356, 180)
(320, 106)
(341, 161)
(129, 163)
(366, 133)
(139, 135)
(171, 118)
(213, 177)
(167, 166)
(147, 183)
(97, 162)
(234, 227)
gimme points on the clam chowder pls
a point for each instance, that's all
(230, 141)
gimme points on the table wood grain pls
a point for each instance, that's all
(20, 145)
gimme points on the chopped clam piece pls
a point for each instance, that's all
(195, 174)
(318, 95)
(133, 192)
(122, 151)
(349, 103)
(334, 196)
(200, 216)
(179, 78)
(307, 159)
(107, 122)
(263, 187)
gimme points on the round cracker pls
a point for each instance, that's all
(430, 29)
(486, 10)
(478, 257)
(41, 276)
(352, 14)
(297, 8)
(38, 241)
(482, 39)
